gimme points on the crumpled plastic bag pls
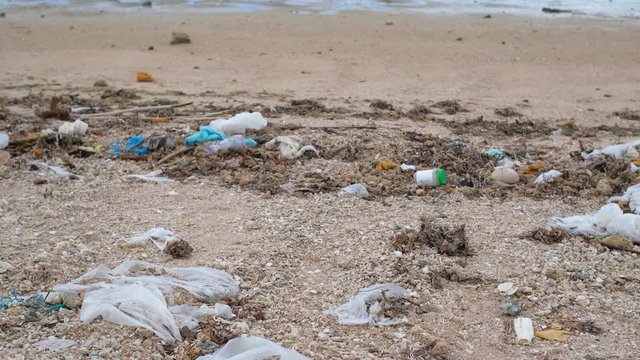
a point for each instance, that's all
(188, 315)
(364, 307)
(616, 151)
(253, 348)
(56, 170)
(359, 190)
(548, 176)
(240, 123)
(133, 146)
(76, 128)
(631, 197)
(205, 134)
(234, 142)
(609, 220)
(289, 147)
(132, 305)
(159, 236)
(153, 176)
(53, 343)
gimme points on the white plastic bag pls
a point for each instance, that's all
(289, 147)
(609, 220)
(253, 348)
(153, 176)
(364, 307)
(53, 343)
(188, 315)
(548, 176)
(239, 123)
(359, 190)
(56, 170)
(132, 305)
(631, 197)
(76, 128)
(615, 151)
(159, 236)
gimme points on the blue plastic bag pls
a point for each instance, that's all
(205, 134)
(133, 145)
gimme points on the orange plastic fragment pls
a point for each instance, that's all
(144, 77)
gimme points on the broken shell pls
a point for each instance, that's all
(505, 175)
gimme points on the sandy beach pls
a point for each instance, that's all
(297, 253)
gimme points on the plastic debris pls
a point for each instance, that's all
(159, 236)
(53, 343)
(615, 151)
(364, 307)
(127, 295)
(631, 197)
(188, 315)
(4, 140)
(533, 167)
(205, 134)
(37, 300)
(524, 329)
(133, 146)
(359, 190)
(431, 177)
(142, 76)
(289, 147)
(548, 176)
(609, 220)
(234, 142)
(507, 288)
(240, 123)
(76, 128)
(55, 170)
(553, 335)
(253, 348)
(505, 175)
(153, 176)
(495, 153)
(510, 306)
(406, 167)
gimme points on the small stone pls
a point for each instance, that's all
(4, 267)
(180, 38)
(510, 306)
(421, 192)
(439, 348)
(604, 187)
(100, 83)
(582, 300)
(507, 288)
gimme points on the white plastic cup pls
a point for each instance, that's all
(431, 177)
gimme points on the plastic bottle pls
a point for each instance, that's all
(431, 177)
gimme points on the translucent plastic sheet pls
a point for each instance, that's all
(364, 307)
(253, 348)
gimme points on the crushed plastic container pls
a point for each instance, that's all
(253, 348)
(240, 123)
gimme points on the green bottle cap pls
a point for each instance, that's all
(442, 176)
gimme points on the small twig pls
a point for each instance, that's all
(298, 126)
(178, 151)
(135, 110)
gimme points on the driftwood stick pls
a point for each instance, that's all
(297, 126)
(135, 110)
(176, 152)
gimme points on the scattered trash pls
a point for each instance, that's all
(448, 240)
(431, 177)
(548, 176)
(505, 175)
(240, 123)
(188, 315)
(524, 330)
(507, 288)
(205, 134)
(56, 170)
(615, 151)
(14, 299)
(609, 220)
(406, 167)
(4, 140)
(53, 343)
(153, 176)
(495, 153)
(180, 38)
(289, 147)
(133, 146)
(76, 128)
(57, 110)
(631, 197)
(553, 335)
(384, 165)
(533, 168)
(253, 348)
(165, 240)
(129, 295)
(510, 306)
(234, 142)
(359, 190)
(367, 306)
(4, 157)
(142, 76)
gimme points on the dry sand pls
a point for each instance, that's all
(297, 255)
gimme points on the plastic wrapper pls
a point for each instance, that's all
(253, 348)
(289, 147)
(76, 128)
(240, 123)
(159, 236)
(631, 197)
(153, 176)
(616, 151)
(188, 315)
(55, 170)
(364, 307)
(548, 176)
(53, 343)
(609, 220)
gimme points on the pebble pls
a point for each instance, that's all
(604, 187)
(180, 38)
(4, 267)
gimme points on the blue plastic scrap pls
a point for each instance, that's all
(132, 146)
(205, 134)
(495, 153)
